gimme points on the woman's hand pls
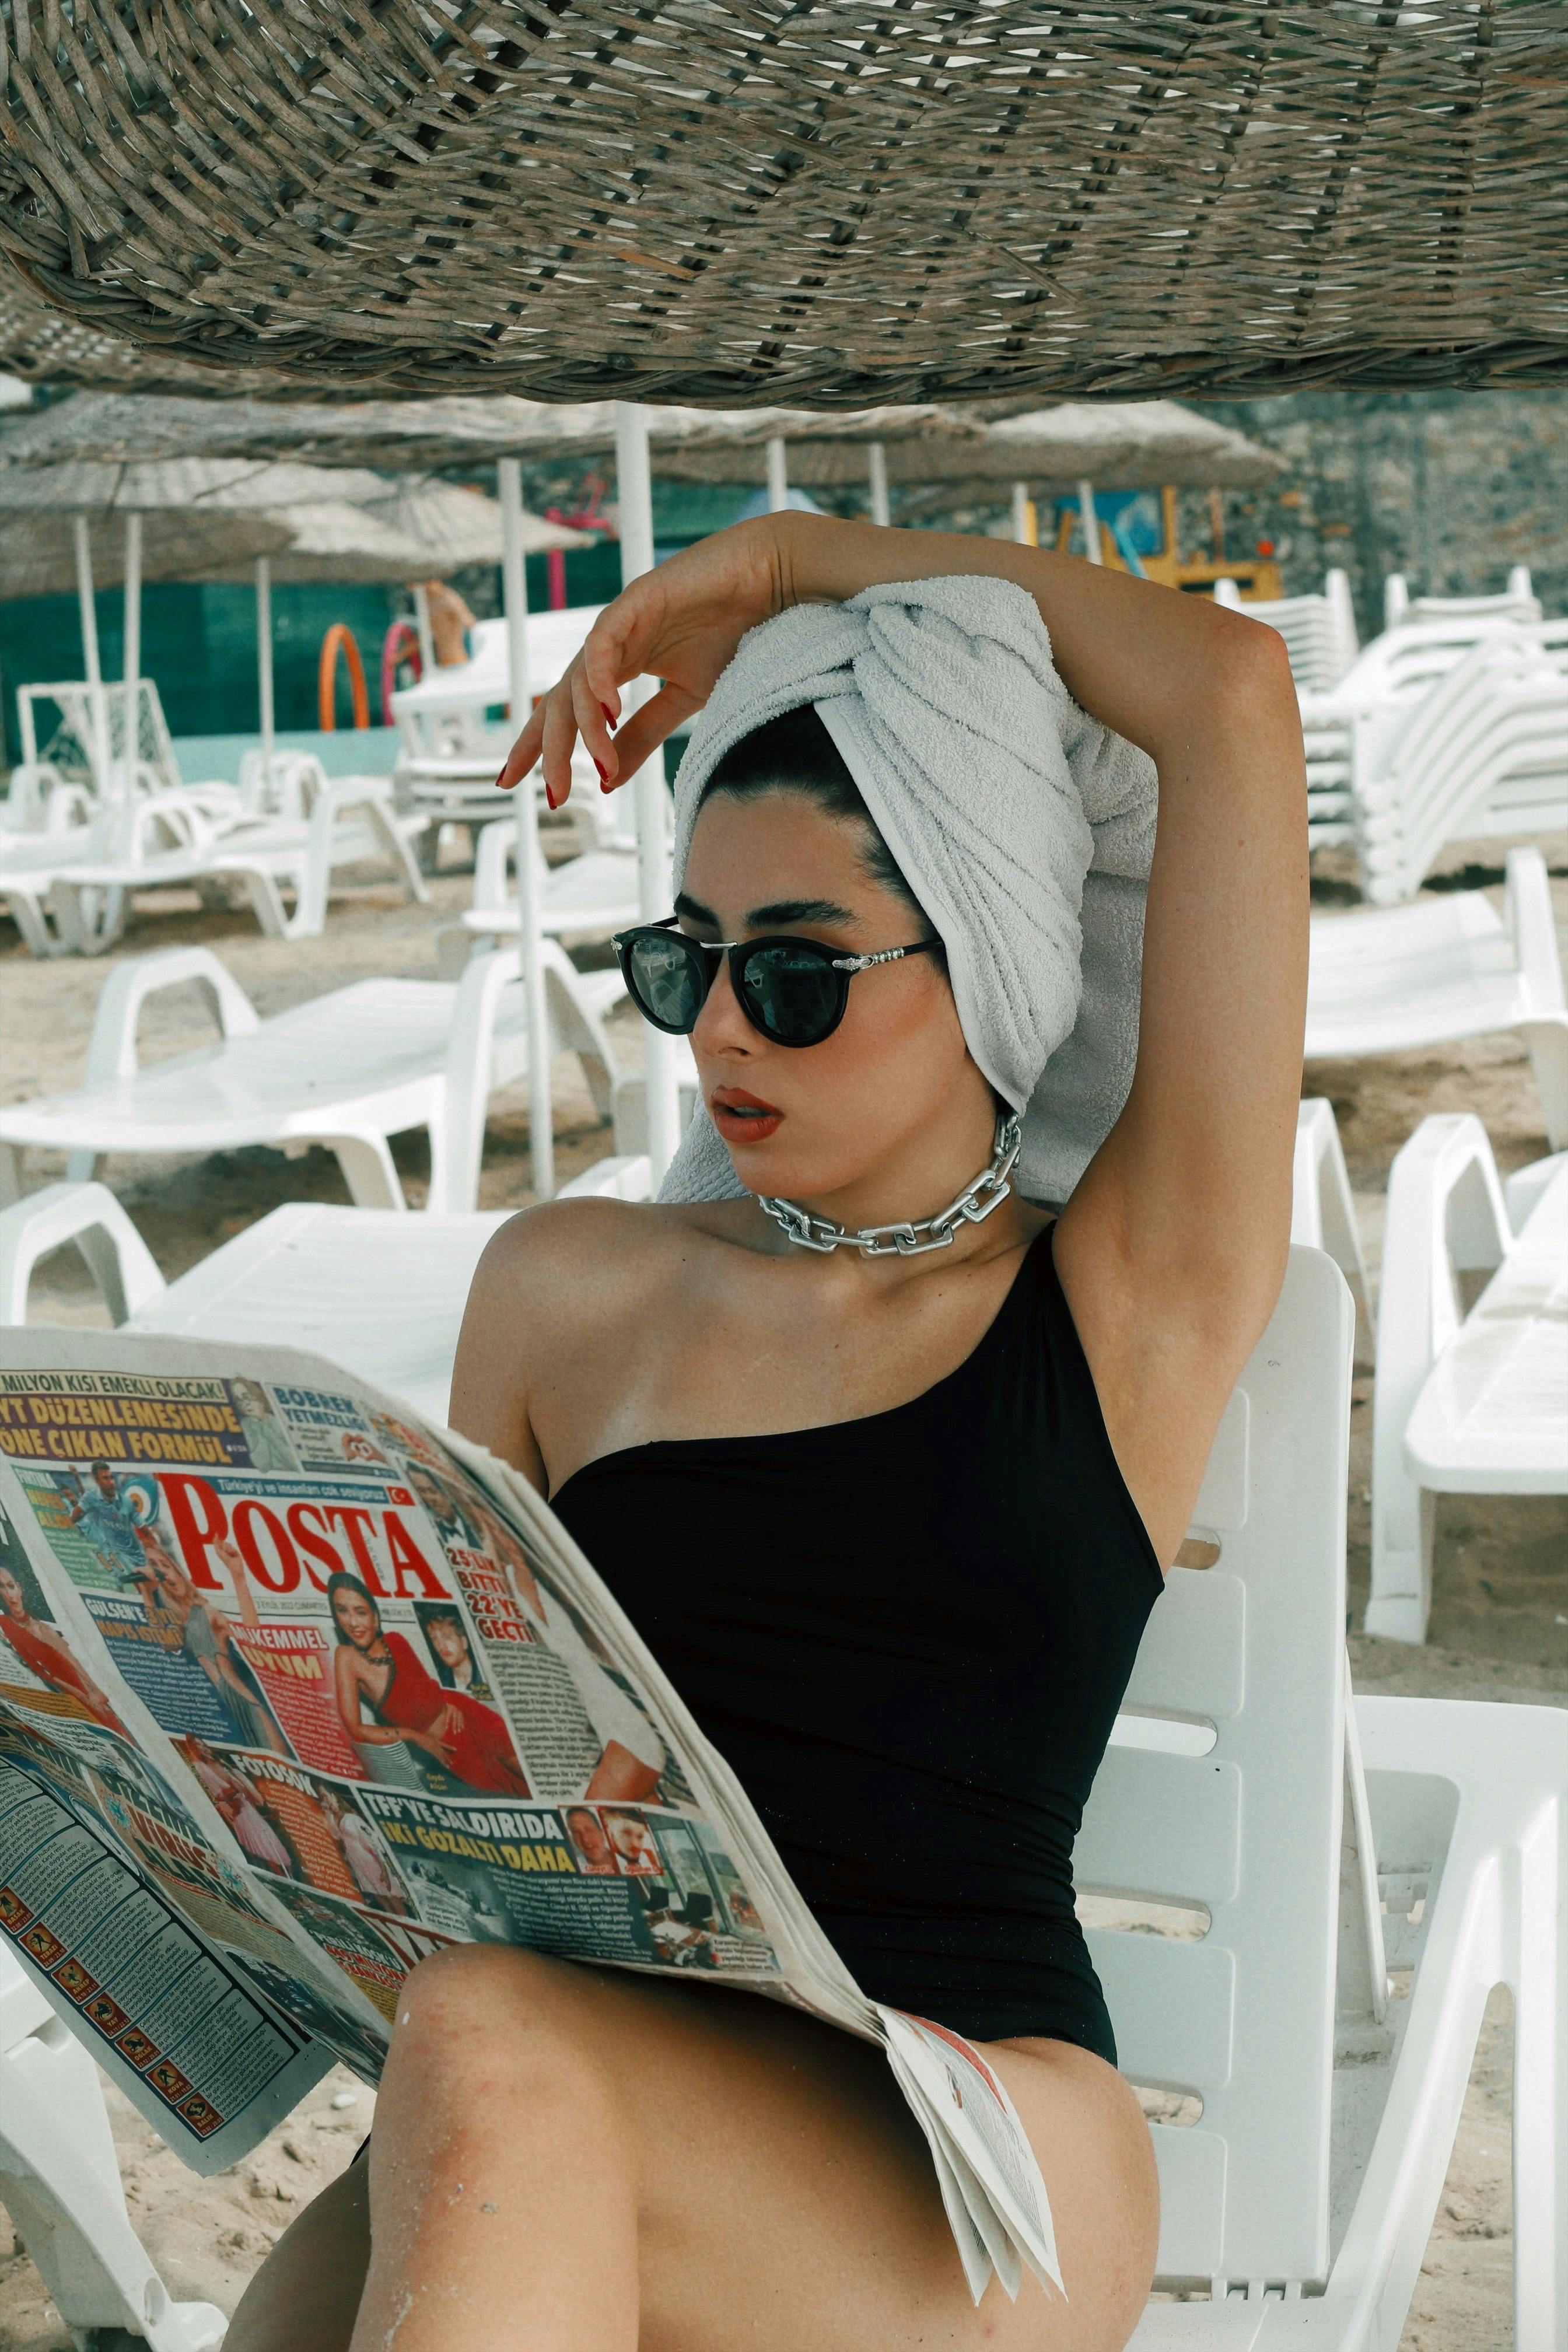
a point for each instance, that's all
(681, 622)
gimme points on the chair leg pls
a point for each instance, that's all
(1405, 1518)
(1541, 2086)
(368, 1171)
(1546, 1043)
(60, 2184)
(10, 1174)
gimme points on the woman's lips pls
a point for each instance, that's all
(741, 1118)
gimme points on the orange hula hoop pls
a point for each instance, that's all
(340, 639)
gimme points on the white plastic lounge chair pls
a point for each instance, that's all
(1484, 753)
(29, 862)
(1443, 729)
(1387, 980)
(449, 754)
(381, 1296)
(174, 841)
(1519, 602)
(350, 1070)
(59, 2183)
(1319, 631)
(586, 897)
(1302, 2197)
(1466, 1405)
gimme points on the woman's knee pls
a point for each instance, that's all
(480, 2027)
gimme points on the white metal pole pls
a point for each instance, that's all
(778, 477)
(97, 701)
(877, 468)
(131, 668)
(634, 491)
(1090, 523)
(425, 632)
(514, 602)
(264, 673)
(1022, 535)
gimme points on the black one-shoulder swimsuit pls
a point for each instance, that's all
(908, 1634)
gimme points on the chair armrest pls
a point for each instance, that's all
(88, 1215)
(111, 1052)
(1522, 1191)
(456, 1152)
(625, 1176)
(1528, 915)
(492, 856)
(1446, 1214)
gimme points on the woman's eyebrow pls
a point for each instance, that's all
(798, 910)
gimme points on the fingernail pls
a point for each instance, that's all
(549, 797)
(499, 778)
(610, 719)
(603, 772)
(604, 784)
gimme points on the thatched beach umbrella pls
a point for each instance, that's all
(1125, 444)
(179, 517)
(727, 203)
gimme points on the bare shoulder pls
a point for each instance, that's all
(559, 1296)
(595, 1258)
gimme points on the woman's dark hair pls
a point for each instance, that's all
(341, 1581)
(796, 753)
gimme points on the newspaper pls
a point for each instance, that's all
(294, 1689)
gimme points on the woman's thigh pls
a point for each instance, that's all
(786, 2199)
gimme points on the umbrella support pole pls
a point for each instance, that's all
(264, 683)
(514, 601)
(97, 701)
(423, 630)
(877, 472)
(778, 475)
(633, 489)
(1091, 547)
(1025, 526)
(131, 668)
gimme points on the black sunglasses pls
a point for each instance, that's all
(794, 990)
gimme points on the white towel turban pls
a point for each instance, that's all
(1023, 826)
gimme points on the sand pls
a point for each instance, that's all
(1499, 1621)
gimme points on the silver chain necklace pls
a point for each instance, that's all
(975, 1203)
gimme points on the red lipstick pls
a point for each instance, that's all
(741, 1118)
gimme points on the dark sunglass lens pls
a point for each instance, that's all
(793, 993)
(668, 980)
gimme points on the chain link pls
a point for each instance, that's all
(974, 1205)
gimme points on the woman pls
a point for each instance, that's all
(381, 1670)
(893, 1523)
(43, 1652)
(246, 1814)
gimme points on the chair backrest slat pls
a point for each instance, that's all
(1243, 2015)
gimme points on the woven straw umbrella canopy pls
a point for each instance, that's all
(407, 435)
(932, 198)
(1123, 444)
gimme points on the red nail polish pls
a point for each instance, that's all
(549, 797)
(610, 719)
(604, 784)
(497, 779)
(603, 772)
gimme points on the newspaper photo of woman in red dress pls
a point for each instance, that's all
(376, 1668)
(43, 1653)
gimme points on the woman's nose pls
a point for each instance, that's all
(722, 1026)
